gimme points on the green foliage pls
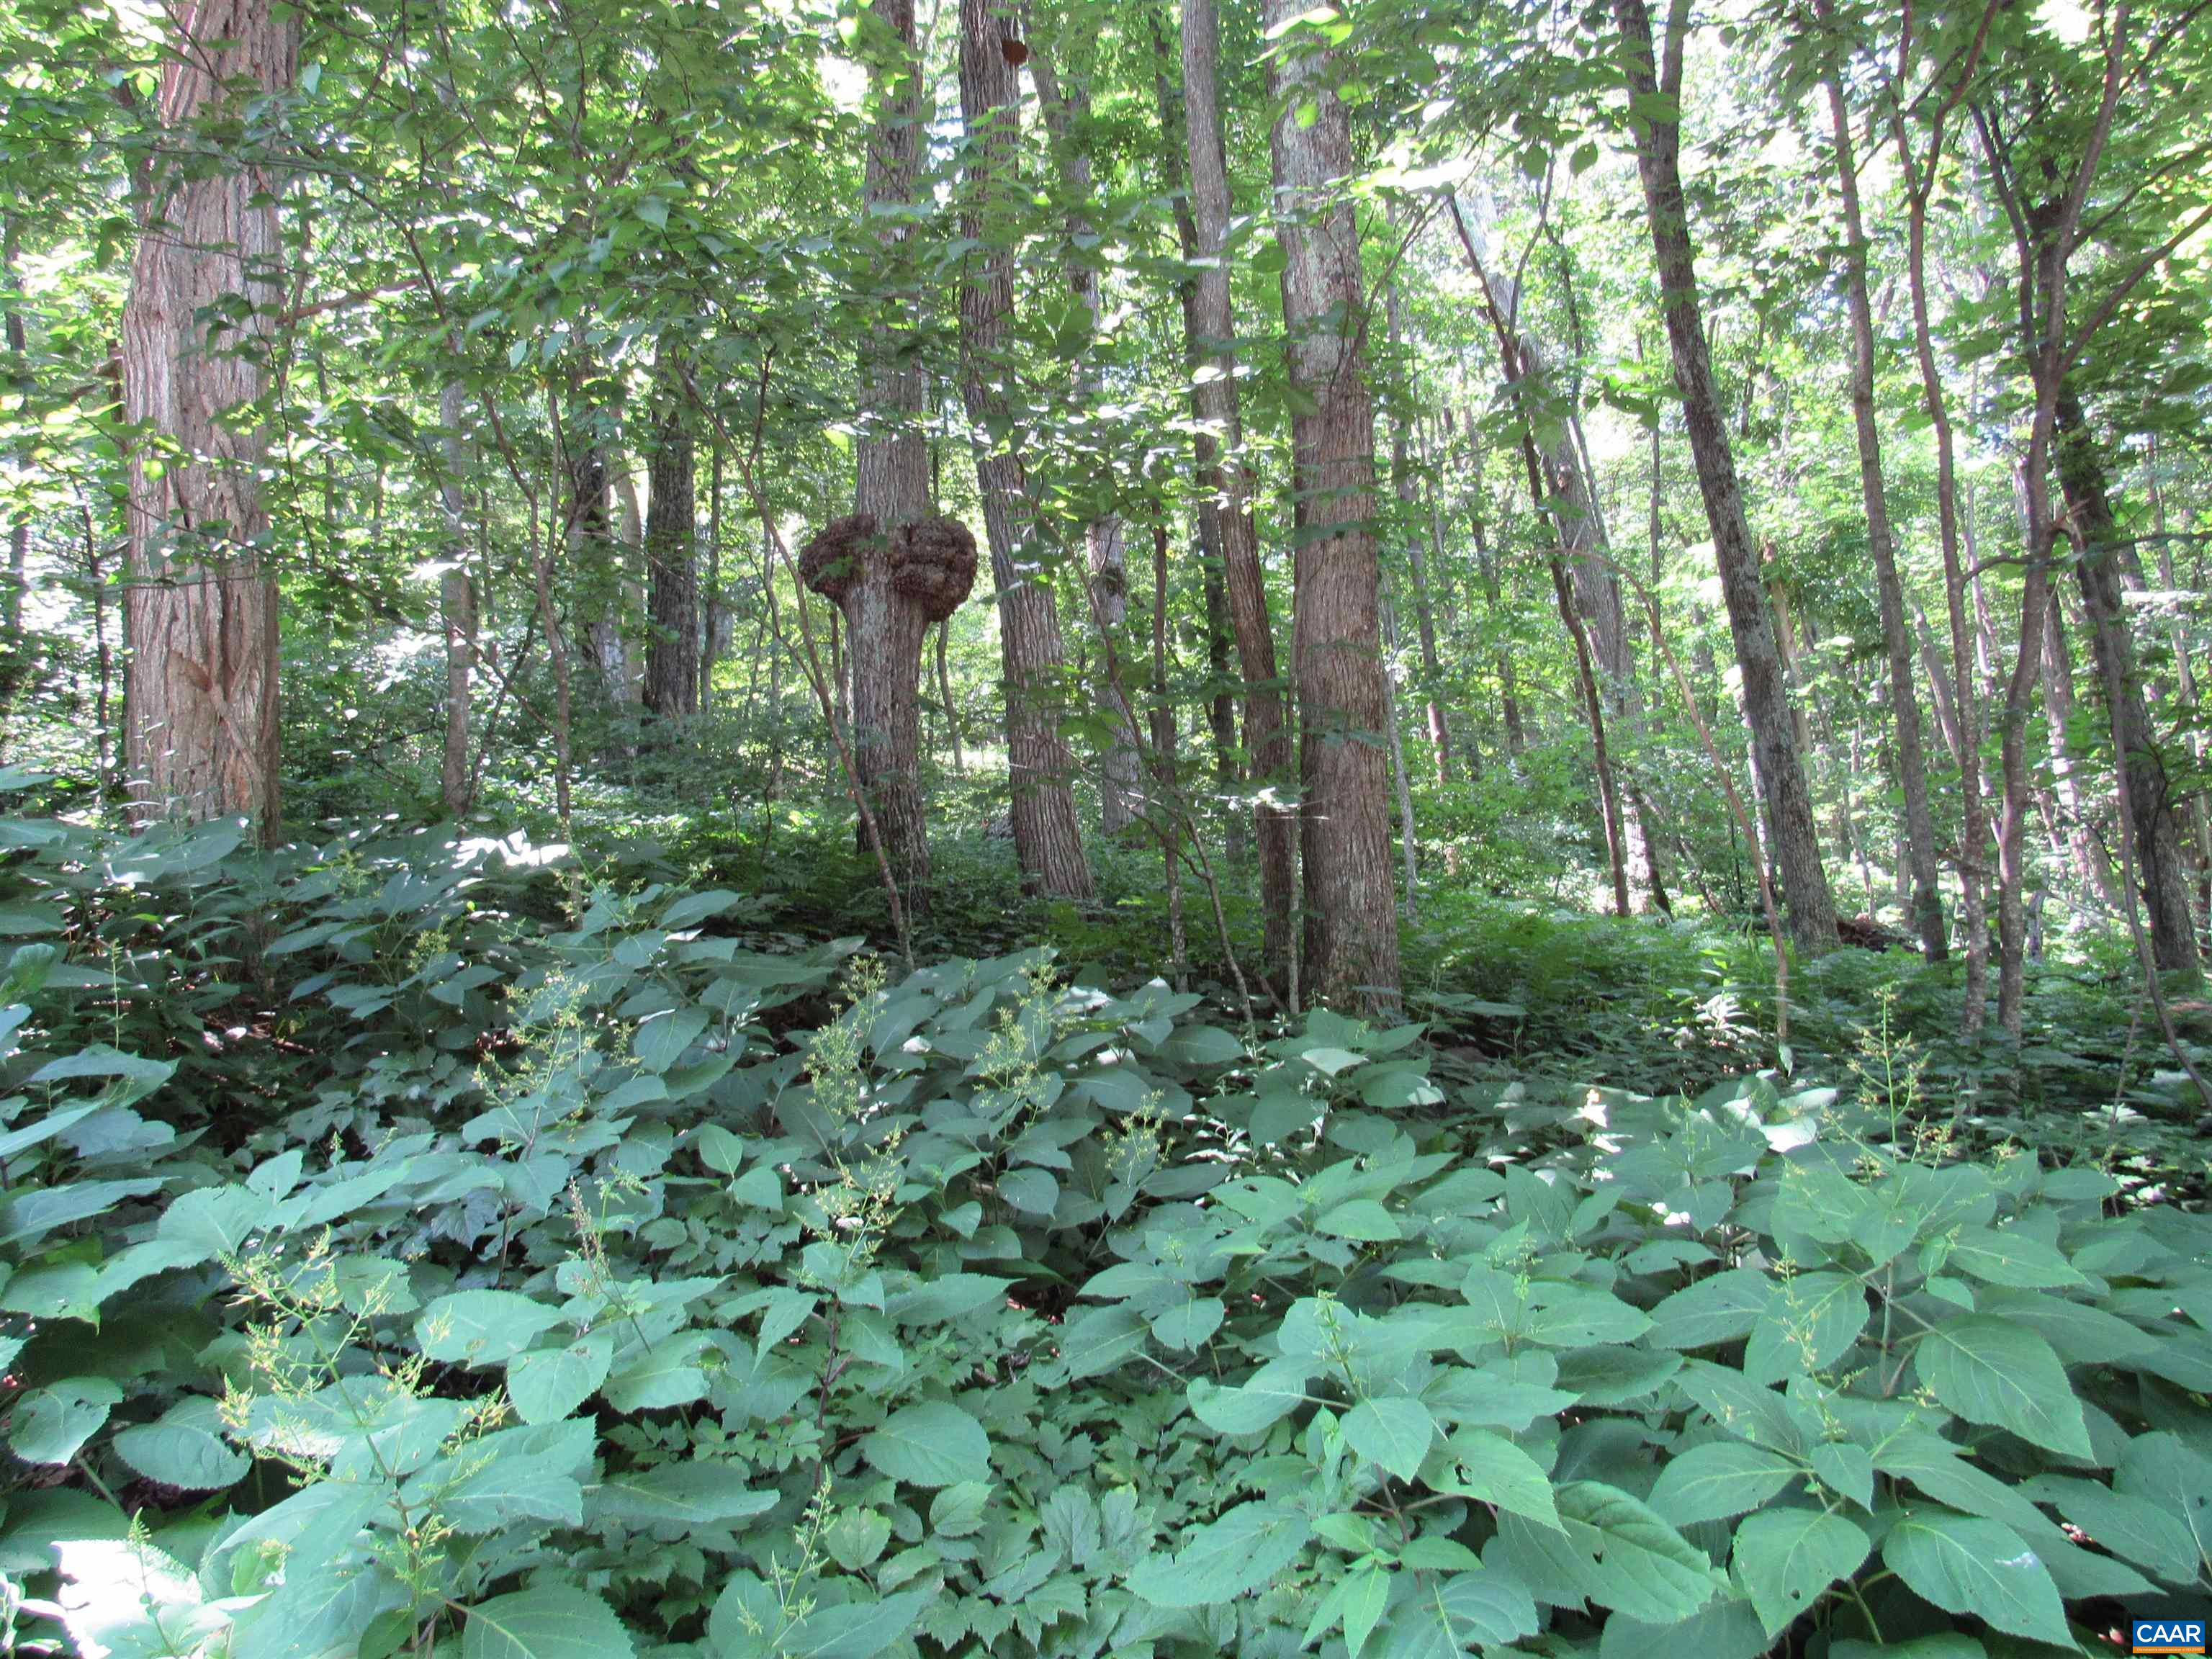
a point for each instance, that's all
(564, 1269)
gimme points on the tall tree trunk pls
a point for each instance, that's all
(1404, 485)
(2143, 773)
(1047, 835)
(1066, 109)
(14, 648)
(457, 602)
(2090, 863)
(1905, 705)
(1402, 786)
(203, 738)
(672, 539)
(714, 617)
(1509, 694)
(1809, 906)
(891, 471)
(1222, 476)
(1350, 947)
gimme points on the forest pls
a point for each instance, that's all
(1112, 830)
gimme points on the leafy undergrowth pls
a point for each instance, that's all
(413, 1245)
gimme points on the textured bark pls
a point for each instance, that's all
(202, 709)
(1809, 906)
(1508, 695)
(671, 535)
(1066, 109)
(1222, 476)
(1047, 835)
(1897, 642)
(878, 704)
(1351, 947)
(1408, 490)
(2158, 862)
(2090, 863)
(457, 603)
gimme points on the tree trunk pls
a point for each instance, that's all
(2079, 836)
(1905, 705)
(1222, 476)
(1047, 835)
(891, 476)
(2143, 773)
(672, 536)
(1066, 110)
(203, 738)
(1410, 526)
(1789, 809)
(1508, 695)
(1350, 947)
(713, 617)
(457, 603)
(1401, 784)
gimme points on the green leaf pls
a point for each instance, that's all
(1964, 1564)
(185, 1448)
(547, 1621)
(695, 907)
(1395, 1432)
(1334, 1061)
(482, 1326)
(933, 1443)
(1991, 1373)
(1099, 1339)
(51, 1425)
(958, 1510)
(1720, 1478)
(1033, 1191)
(853, 1630)
(1245, 1549)
(1786, 1558)
(1362, 1219)
(1188, 1324)
(690, 1494)
(1632, 1561)
(1276, 1388)
(2009, 1256)
(546, 1384)
(1449, 1614)
(1492, 1468)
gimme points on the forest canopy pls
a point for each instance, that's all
(951, 826)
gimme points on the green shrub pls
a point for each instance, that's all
(559, 1266)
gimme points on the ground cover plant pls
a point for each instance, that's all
(569, 1265)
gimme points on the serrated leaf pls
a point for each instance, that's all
(1718, 1479)
(1964, 1564)
(1395, 1432)
(933, 1443)
(1245, 1549)
(546, 1621)
(482, 1326)
(2009, 1377)
(546, 1384)
(185, 1448)
(1786, 1558)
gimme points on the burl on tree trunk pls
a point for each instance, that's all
(890, 588)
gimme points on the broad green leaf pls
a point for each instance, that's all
(692, 1494)
(1188, 1324)
(1991, 1373)
(482, 1326)
(1717, 1480)
(1449, 1614)
(51, 1425)
(546, 1384)
(1490, 1468)
(1362, 1219)
(546, 1621)
(1276, 1388)
(185, 1448)
(933, 1443)
(1964, 1564)
(1396, 1432)
(1245, 1549)
(1634, 1562)
(2009, 1256)
(1786, 1558)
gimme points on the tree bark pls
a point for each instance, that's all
(203, 738)
(892, 475)
(1897, 642)
(1066, 110)
(2079, 836)
(2142, 772)
(1809, 906)
(457, 603)
(1047, 835)
(1403, 484)
(672, 536)
(1351, 947)
(1222, 476)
